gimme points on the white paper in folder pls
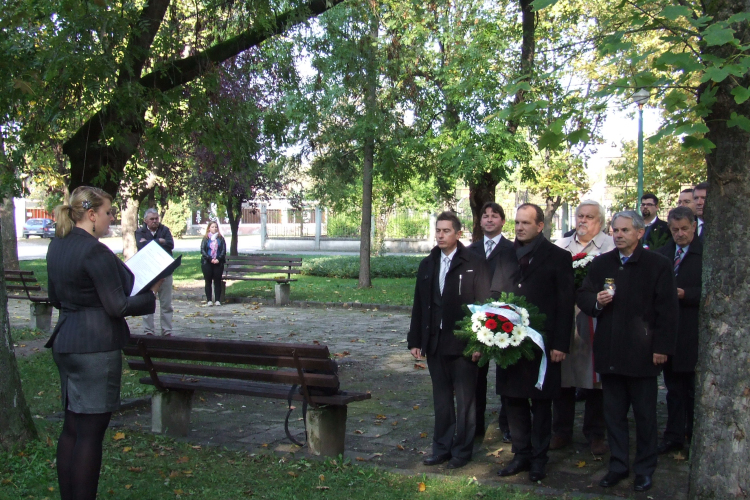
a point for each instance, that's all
(149, 265)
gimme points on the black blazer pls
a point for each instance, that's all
(162, 231)
(465, 283)
(689, 278)
(657, 230)
(547, 283)
(91, 288)
(478, 248)
(642, 318)
(221, 253)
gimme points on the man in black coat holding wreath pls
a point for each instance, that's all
(448, 278)
(543, 274)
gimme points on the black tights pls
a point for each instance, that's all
(212, 274)
(79, 454)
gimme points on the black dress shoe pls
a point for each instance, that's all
(536, 473)
(642, 483)
(612, 478)
(667, 446)
(436, 459)
(514, 467)
(456, 463)
(506, 437)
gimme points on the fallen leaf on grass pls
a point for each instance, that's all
(51, 488)
(173, 474)
(421, 487)
(380, 417)
(183, 460)
(5, 481)
(264, 445)
(580, 464)
(128, 486)
(292, 473)
(178, 492)
(135, 469)
(495, 453)
(323, 487)
(360, 459)
(400, 447)
(418, 366)
(126, 449)
(679, 456)
(415, 407)
(424, 435)
(359, 432)
(322, 477)
(118, 436)
(196, 447)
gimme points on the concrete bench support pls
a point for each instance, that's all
(282, 294)
(170, 412)
(326, 430)
(40, 316)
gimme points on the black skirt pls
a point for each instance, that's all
(90, 382)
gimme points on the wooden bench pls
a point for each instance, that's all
(275, 369)
(243, 267)
(24, 285)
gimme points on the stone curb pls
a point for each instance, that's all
(302, 303)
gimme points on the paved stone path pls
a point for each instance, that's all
(392, 429)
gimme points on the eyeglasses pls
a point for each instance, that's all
(648, 204)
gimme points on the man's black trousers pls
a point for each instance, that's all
(620, 393)
(530, 428)
(455, 424)
(482, 403)
(680, 404)
(564, 412)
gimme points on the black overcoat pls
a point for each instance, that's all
(467, 282)
(478, 248)
(547, 283)
(689, 278)
(642, 318)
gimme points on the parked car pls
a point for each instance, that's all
(39, 227)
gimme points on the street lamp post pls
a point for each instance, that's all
(640, 98)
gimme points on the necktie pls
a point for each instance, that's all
(678, 260)
(624, 259)
(443, 272)
(490, 245)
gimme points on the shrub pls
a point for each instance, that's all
(346, 266)
(343, 225)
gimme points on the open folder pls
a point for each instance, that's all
(149, 265)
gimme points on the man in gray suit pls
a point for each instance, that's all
(154, 230)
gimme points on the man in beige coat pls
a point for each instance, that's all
(578, 367)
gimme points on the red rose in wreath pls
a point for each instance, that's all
(507, 327)
(491, 324)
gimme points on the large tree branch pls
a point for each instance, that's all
(141, 37)
(528, 47)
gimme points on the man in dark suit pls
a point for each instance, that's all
(154, 230)
(635, 332)
(686, 253)
(488, 248)
(448, 278)
(543, 273)
(699, 202)
(657, 232)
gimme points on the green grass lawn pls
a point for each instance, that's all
(392, 291)
(138, 465)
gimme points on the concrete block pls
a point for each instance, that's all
(40, 316)
(282, 294)
(170, 412)
(326, 430)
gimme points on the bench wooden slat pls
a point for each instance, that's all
(18, 279)
(242, 278)
(321, 364)
(21, 288)
(263, 262)
(16, 272)
(275, 376)
(264, 257)
(253, 389)
(261, 270)
(232, 346)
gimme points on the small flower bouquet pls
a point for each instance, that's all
(503, 330)
(581, 263)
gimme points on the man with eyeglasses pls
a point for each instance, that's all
(657, 231)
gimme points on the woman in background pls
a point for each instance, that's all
(91, 288)
(213, 255)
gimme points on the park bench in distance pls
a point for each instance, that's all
(23, 285)
(308, 366)
(243, 267)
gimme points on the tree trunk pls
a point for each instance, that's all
(479, 194)
(369, 158)
(720, 453)
(129, 223)
(550, 207)
(234, 212)
(8, 234)
(16, 425)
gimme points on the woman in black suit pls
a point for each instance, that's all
(213, 255)
(91, 288)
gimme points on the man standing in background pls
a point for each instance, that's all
(699, 200)
(154, 230)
